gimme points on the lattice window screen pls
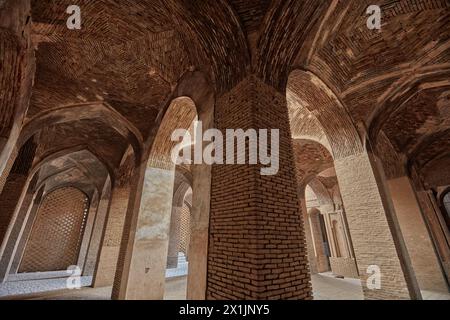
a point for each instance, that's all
(185, 231)
(55, 239)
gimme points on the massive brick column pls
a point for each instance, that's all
(374, 229)
(18, 66)
(308, 236)
(142, 266)
(437, 227)
(88, 229)
(257, 246)
(417, 238)
(199, 221)
(110, 244)
(96, 238)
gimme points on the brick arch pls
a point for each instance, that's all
(322, 193)
(180, 115)
(66, 153)
(55, 240)
(214, 34)
(311, 158)
(402, 93)
(85, 111)
(194, 90)
(307, 92)
(314, 211)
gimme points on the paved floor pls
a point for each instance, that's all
(325, 287)
(31, 287)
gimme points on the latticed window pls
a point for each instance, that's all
(185, 231)
(55, 240)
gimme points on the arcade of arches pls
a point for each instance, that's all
(86, 176)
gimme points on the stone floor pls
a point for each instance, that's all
(325, 287)
(26, 287)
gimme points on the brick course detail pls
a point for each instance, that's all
(257, 245)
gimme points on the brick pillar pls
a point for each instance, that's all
(417, 238)
(87, 232)
(110, 244)
(199, 221)
(438, 228)
(330, 235)
(309, 237)
(374, 229)
(16, 76)
(318, 240)
(174, 240)
(141, 275)
(96, 238)
(257, 247)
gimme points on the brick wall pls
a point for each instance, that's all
(345, 267)
(439, 234)
(257, 246)
(417, 239)
(373, 229)
(95, 241)
(109, 250)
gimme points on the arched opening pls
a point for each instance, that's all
(318, 114)
(363, 160)
(326, 242)
(179, 243)
(323, 132)
(55, 240)
(52, 184)
(415, 162)
(164, 196)
(320, 240)
(332, 261)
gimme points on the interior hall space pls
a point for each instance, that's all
(95, 204)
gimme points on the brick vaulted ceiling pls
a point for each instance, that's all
(129, 56)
